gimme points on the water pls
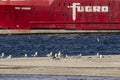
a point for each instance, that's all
(38, 77)
(73, 44)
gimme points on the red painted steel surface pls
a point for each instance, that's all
(60, 14)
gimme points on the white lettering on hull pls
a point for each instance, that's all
(23, 8)
(77, 8)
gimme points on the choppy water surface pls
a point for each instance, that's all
(38, 77)
(73, 44)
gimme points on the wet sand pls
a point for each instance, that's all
(77, 66)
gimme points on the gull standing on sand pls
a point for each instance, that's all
(60, 55)
(101, 56)
(80, 55)
(35, 55)
(98, 55)
(2, 55)
(49, 55)
(25, 55)
(10, 56)
(66, 56)
(56, 55)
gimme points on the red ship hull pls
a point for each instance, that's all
(60, 14)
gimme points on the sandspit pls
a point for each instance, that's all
(78, 66)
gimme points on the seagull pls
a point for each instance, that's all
(56, 55)
(49, 55)
(2, 55)
(10, 56)
(66, 56)
(98, 54)
(80, 55)
(60, 55)
(25, 55)
(35, 55)
(101, 56)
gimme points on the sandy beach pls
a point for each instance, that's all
(78, 66)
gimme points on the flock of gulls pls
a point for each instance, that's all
(57, 55)
(54, 56)
(10, 56)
